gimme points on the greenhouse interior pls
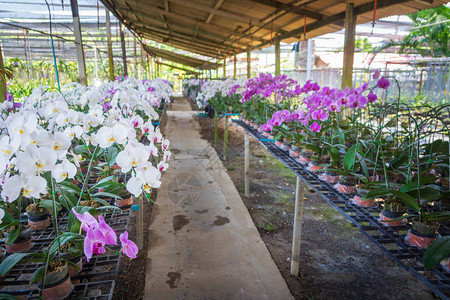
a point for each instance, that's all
(225, 149)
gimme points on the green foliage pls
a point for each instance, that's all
(429, 36)
(437, 251)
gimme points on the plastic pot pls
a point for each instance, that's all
(38, 220)
(425, 228)
(124, 204)
(58, 290)
(347, 184)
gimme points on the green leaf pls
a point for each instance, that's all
(69, 186)
(313, 148)
(112, 154)
(102, 183)
(13, 235)
(37, 275)
(437, 251)
(105, 194)
(334, 155)
(7, 297)
(349, 158)
(376, 193)
(48, 204)
(407, 199)
(63, 239)
(10, 261)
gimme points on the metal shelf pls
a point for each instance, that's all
(389, 239)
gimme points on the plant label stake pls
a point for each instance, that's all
(139, 223)
(246, 164)
(297, 234)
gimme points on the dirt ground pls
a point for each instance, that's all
(130, 280)
(337, 261)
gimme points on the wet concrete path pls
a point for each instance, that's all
(203, 243)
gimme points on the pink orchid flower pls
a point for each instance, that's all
(129, 248)
(86, 219)
(94, 243)
(109, 233)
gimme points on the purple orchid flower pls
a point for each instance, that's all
(129, 248)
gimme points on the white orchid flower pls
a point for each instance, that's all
(64, 170)
(167, 154)
(134, 155)
(155, 136)
(162, 166)
(76, 158)
(147, 127)
(106, 136)
(32, 187)
(137, 121)
(149, 179)
(8, 146)
(165, 144)
(22, 125)
(36, 160)
(2, 214)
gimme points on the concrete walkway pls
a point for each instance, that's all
(203, 243)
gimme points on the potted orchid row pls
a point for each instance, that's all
(379, 154)
(73, 151)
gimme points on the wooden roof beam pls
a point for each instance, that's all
(190, 21)
(181, 26)
(180, 36)
(211, 15)
(327, 21)
(181, 43)
(226, 14)
(289, 7)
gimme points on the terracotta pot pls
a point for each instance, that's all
(124, 204)
(58, 290)
(21, 246)
(366, 203)
(39, 225)
(347, 185)
(304, 160)
(71, 270)
(266, 133)
(329, 178)
(422, 234)
(418, 240)
(314, 166)
(38, 220)
(279, 144)
(294, 153)
(385, 220)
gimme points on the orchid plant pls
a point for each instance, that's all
(53, 143)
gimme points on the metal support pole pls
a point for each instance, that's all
(144, 69)
(235, 67)
(124, 50)
(216, 132)
(249, 63)
(78, 42)
(224, 67)
(309, 60)
(2, 82)
(297, 234)
(349, 45)
(140, 223)
(277, 55)
(246, 164)
(135, 60)
(225, 139)
(109, 41)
